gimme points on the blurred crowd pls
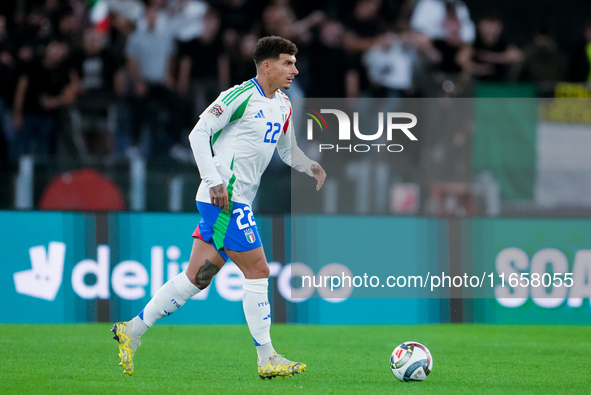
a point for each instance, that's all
(130, 77)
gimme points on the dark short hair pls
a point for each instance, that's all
(269, 48)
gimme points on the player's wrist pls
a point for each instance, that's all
(213, 182)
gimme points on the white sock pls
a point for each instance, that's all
(265, 350)
(138, 326)
(166, 301)
(257, 311)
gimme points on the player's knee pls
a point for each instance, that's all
(261, 271)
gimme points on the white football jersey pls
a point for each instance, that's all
(245, 127)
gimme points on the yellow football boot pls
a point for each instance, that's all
(277, 366)
(128, 343)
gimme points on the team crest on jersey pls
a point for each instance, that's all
(282, 108)
(250, 237)
(216, 110)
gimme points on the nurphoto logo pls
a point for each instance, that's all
(344, 131)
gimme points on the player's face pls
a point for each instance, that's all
(283, 71)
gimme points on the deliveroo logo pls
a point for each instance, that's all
(44, 279)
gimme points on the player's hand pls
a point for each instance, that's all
(219, 197)
(319, 175)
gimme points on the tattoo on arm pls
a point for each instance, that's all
(205, 274)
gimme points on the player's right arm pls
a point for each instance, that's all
(213, 119)
(228, 107)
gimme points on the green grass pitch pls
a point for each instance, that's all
(468, 359)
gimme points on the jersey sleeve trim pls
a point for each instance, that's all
(235, 93)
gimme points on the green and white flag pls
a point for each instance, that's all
(99, 14)
(563, 154)
(539, 150)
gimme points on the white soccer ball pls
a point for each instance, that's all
(411, 361)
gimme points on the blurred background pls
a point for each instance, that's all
(97, 99)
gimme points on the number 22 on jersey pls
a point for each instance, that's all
(273, 128)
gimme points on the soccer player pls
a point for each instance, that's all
(242, 129)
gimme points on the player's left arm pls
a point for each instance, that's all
(293, 156)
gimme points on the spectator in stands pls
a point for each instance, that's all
(279, 19)
(303, 8)
(543, 62)
(160, 5)
(365, 27)
(44, 90)
(450, 69)
(132, 10)
(491, 54)
(203, 66)
(364, 30)
(391, 64)
(242, 66)
(101, 74)
(31, 37)
(52, 10)
(162, 18)
(150, 54)
(120, 28)
(329, 67)
(68, 28)
(79, 8)
(580, 66)
(188, 18)
(238, 17)
(429, 15)
(4, 154)
(7, 76)
(450, 47)
(99, 71)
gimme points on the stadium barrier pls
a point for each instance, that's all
(63, 267)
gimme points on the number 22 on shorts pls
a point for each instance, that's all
(241, 215)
